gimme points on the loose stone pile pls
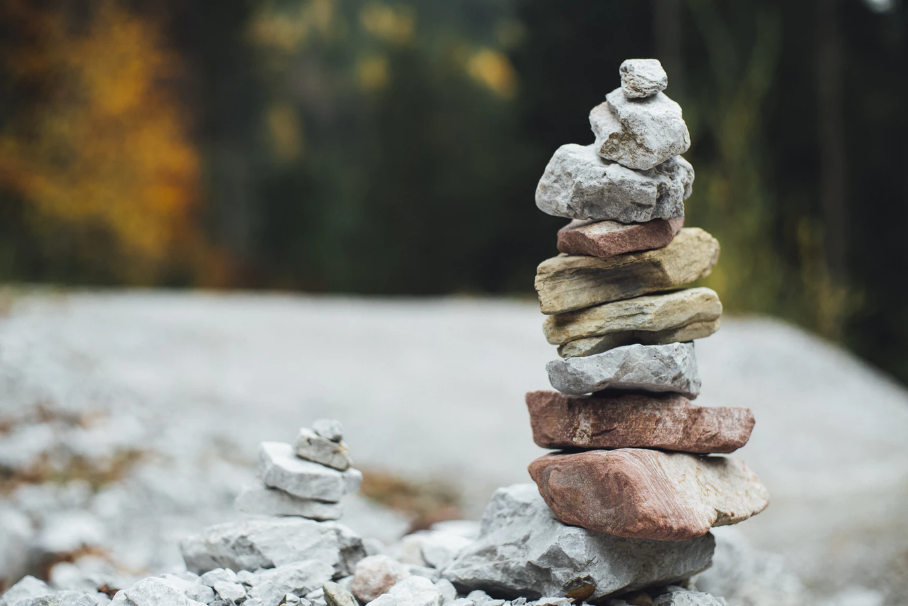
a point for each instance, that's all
(632, 465)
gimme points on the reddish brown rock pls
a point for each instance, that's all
(610, 238)
(648, 494)
(631, 420)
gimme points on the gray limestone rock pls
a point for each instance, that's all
(525, 551)
(688, 598)
(657, 368)
(578, 184)
(335, 595)
(639, 133)
(298, 578)
(264, 501)
(267, 543)
(319, 449)
(330, 429)
(152, 592)
(375, 575)
(280, 468)
(642, 78)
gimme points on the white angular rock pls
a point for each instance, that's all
(280, 468)
(642, 78)
(298, 578)
(447, 590)
(688, 598)
(28, 587)
(319, 449)
(267, 593)
(440, 548)
(578, 184)
(230, 591)
(657, 368)
(330, 429)
(375, 575)
(264, 501)
(525, 551)
(190, 586)
(268, 543)
(151, 592)
(639, 133)
(219, 575)
(412, 591)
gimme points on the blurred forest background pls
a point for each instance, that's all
(393, 147)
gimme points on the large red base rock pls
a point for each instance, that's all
(632, 420)
(610, 238)
(648, 494)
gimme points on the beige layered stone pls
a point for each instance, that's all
(568, 283)
(673, 317)
(647, 494)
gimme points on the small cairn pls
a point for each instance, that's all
(307, 479)
(633, 462)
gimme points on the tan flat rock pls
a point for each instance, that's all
(570, 282)
(649, 320)
(610, 238)
(612, 419)
(648, 494)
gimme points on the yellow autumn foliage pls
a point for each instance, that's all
(108, 147)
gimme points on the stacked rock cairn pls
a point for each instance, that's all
(633, 462)
(307, 479)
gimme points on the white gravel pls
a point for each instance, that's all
(431, 389)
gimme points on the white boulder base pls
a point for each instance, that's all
(578, 184)
(523, 550)
(268, 543)
(639, 133)
(642, 78)
(656, 368)
(264, 501)
(280, 468)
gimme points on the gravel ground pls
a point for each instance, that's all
(430, 390)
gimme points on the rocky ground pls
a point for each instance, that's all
(130, 420)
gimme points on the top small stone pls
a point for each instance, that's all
(642, 78)
(329, 429)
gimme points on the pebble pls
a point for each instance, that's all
(330, 429)
(319, 449)
(642, 78)
(152, 592)
(375, 575)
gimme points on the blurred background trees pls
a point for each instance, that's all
(367, 146)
